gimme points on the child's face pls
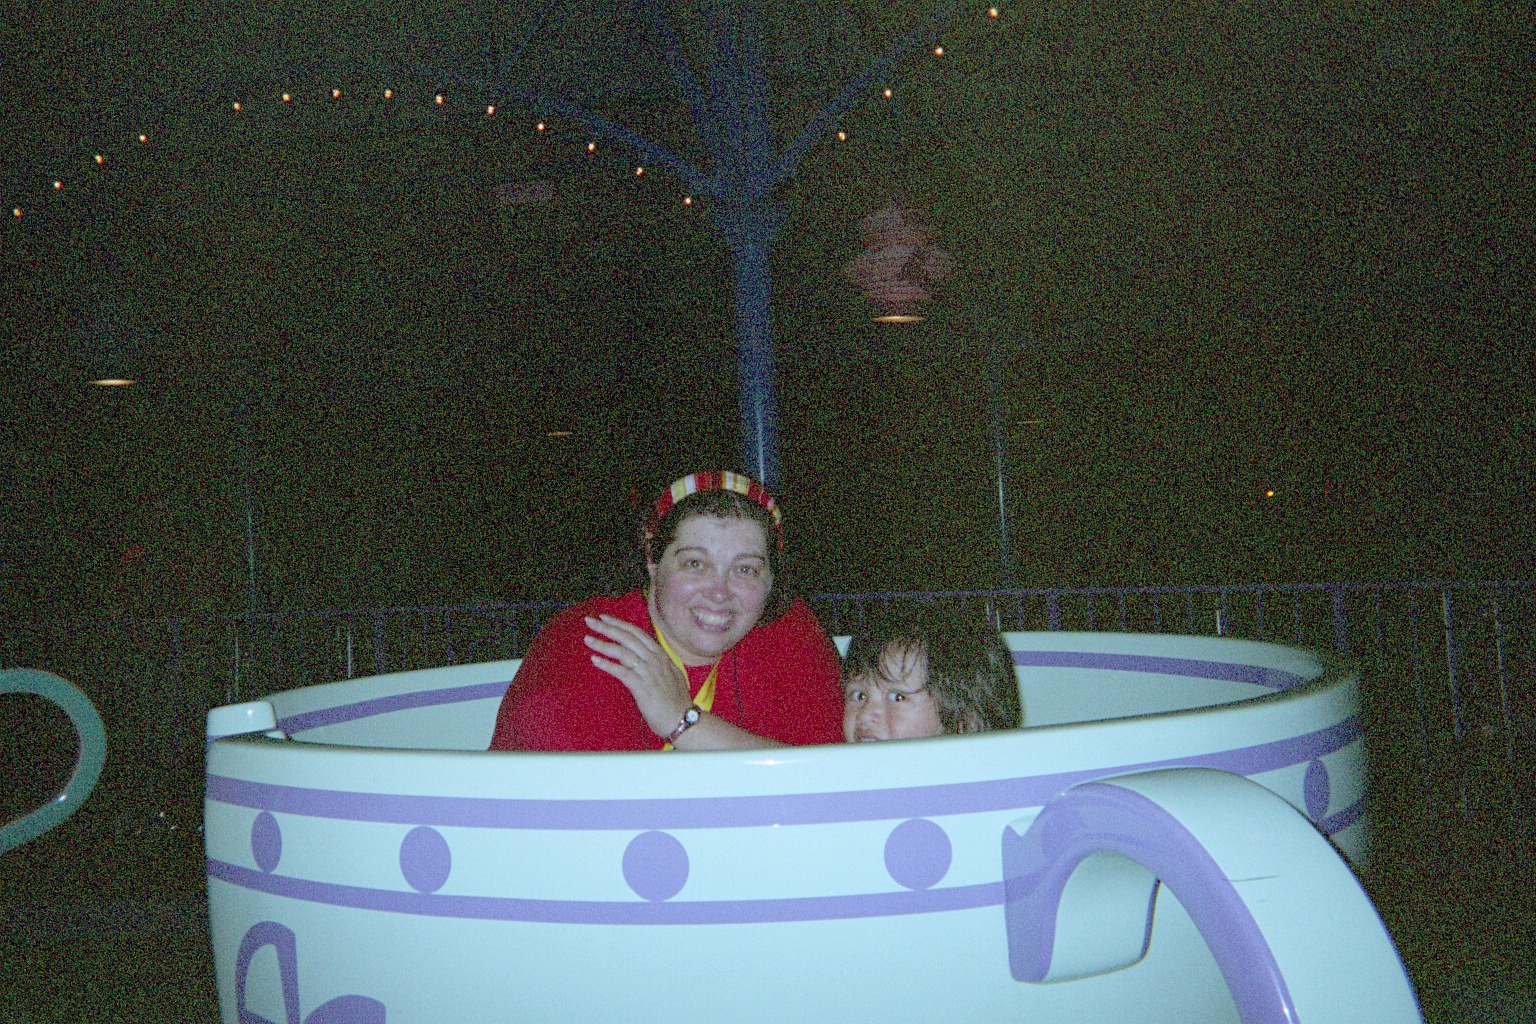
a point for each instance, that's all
(892, 704)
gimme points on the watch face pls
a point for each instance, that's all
(690, 719)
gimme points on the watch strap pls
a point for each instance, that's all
(688, 721)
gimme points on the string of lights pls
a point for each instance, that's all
(341, 100)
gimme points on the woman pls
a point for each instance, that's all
(711, 655)
(927, 671)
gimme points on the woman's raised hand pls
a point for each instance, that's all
(634, 658)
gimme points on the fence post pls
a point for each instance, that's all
(232, 690)
(378, 643)
(1458, 721)
(1518, 831)
(1053, 610)
(1340, 621)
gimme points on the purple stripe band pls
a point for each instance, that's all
(494, 908)
(384, 705)
(745, 811)
(499, 908)
(1255, 675)
(1333, 824)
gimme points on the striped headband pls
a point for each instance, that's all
(694, 483)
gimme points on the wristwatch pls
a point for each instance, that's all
(688, 721)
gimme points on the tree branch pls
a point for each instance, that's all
(924, 33)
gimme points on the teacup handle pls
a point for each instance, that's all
(93, 752)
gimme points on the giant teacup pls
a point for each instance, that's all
(1154, 846)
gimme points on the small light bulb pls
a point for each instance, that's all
(539, 127)
(490, 111)
(143, 138)
(887, 93)
(687, 200)
(99, 159)
(591, 147)
(639, 171)
(16, 211)
(236, 106)
(438, 99)
(842, 136)
(389, 94)
(991, 12)
(938, 51)
(57, 184)
(1269, 494)
(335, 94)
(287, 97)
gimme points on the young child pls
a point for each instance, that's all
(927, 670)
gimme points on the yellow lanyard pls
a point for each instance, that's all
(705, 698)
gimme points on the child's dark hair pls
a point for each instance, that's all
(970, 671)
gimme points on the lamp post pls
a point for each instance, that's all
(897, 271)
(243, 445)
(106, 345)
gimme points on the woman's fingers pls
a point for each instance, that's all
(625, 643)
(620, 631)
(635, 659)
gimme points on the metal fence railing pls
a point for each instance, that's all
(1449, 696)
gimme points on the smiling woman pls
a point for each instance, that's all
(712, 655)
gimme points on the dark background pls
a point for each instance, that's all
(1212, 254)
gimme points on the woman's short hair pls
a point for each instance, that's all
(720, 504)
(970, 670)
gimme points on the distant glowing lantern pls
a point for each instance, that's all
(898, 269)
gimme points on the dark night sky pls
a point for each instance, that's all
(1212, 252)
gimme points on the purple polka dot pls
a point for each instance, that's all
(266, 842)
(425, 859)
(1315, 791)
(917, 853)
(655, 866)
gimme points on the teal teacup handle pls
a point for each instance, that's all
(93, 752)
